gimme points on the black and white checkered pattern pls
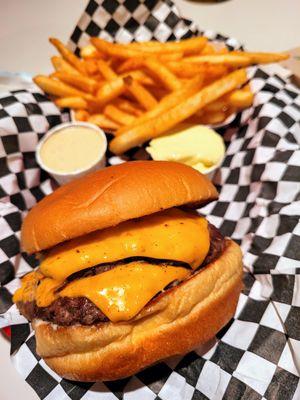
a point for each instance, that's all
(126, 21)
(256, 356)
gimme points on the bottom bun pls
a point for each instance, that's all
(174, 323)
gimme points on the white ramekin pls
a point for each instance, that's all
(63, 178)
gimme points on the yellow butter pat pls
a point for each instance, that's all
(196, 145)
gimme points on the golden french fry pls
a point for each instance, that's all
(240, 98)
(57, 63)
(222, 50)
(68, 55)
(141, 77)
(142, 95)
(186, 108)
(156, 69)
(138, 62)
(130, 64)
(115, 50)
(117, 115)
(81, 82)
(60, 64)
(57, 88)
(208, 49)
(246, 88)
(103, 122)
(71, 102)
(219, 105)
(169, 57)
(232, 60)
(128, 106)
(106, 71)
(214, 72)
(163, 74)
(89, 51)
(235, 58)
(212, 118)
(262, 58)
(110, 90)
(169, 101)
(186, 46)
(185, 70)
(91, 67)
(81, 115)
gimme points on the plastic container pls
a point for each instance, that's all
(65, 177)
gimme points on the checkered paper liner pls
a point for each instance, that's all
(256, 356)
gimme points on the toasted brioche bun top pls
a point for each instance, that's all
(108, 197)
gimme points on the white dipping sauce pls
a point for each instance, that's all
(72, 149)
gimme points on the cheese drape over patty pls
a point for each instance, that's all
(123, 291)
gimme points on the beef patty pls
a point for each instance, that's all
(80, 310)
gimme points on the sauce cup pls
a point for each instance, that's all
(95, 164)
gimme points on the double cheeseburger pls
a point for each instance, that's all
(129, 274)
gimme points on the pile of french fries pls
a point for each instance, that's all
(139, 91)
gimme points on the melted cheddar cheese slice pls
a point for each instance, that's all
(123, 291)
(171, 235)
(119, 293)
